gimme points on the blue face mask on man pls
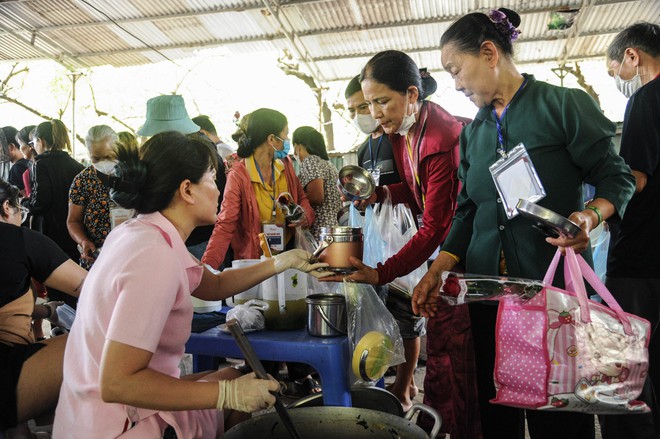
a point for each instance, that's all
(280, 154)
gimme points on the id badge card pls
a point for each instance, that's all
(274, 235)
(515, 178)
(375, 174)
(420, 221)
(118, 215)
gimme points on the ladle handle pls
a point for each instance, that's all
(258, 368)
(246, 348)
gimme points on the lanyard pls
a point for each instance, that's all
(371, 153)
(501, 150)
(412, 155)
(263, 183)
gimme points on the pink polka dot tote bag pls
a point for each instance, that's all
(562, 351)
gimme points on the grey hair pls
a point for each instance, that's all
(98, 133)
(643, 36)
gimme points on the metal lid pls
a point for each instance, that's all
(325, 299)
(547, 221)
(341, 230)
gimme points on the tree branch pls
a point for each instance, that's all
(24, 106)
(101, 113)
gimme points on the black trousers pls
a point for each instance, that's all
(501, 422)
(641, 297)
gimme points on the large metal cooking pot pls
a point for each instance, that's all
(336, 422)
(373, 398)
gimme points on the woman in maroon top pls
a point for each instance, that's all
(424, 141)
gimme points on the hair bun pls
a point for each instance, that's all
(429, 84)
(244, 141)
(506, 22)
(125, 186)
(512, 16)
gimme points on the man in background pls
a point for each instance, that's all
(633, 274)
(207, 127)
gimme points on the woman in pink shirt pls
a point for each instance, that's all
(121, 375)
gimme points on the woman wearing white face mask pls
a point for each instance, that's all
(425, 146)
(425, 143)
(90, 207)
(375, 154)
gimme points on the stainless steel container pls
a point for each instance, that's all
(326, 315)
(355, 183)
(341, 242)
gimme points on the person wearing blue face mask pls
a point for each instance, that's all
(633, 59)
(280, 154)
(253, 186)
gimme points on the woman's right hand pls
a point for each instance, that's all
(300, 260)
(88, 250)
(361, 205)
(247, 393)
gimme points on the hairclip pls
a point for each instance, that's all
(424, 73)
(502, 24)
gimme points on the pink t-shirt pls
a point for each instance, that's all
(137, 293)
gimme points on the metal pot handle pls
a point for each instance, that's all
(417, 407)
(327, 320)
(322, 246)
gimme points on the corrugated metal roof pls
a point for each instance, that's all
(334, 37)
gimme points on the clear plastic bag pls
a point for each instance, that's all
(373, 333)
(460, 288)
(600, 244)
(305, 240)
(388, 230)
(249, 315)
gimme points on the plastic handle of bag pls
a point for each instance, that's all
(582, 270)
(593, 280)
(574, 280)
(552, 269)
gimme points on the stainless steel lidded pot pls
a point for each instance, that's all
(326, 315)
(337, 244)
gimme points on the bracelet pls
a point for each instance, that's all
(456, 258)
(49, 311)
(597, 210)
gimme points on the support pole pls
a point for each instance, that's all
(74, 78)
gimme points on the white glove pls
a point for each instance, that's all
(246, 394)
(299, 259)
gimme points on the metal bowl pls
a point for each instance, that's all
(548, 222)
(355, 183)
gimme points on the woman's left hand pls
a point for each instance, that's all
(364, 273)
(580, 242)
